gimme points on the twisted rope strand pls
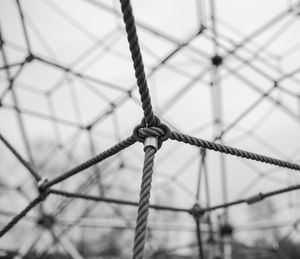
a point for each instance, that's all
(20, 158)
(112, 200)
(142, 218)
(137, 61)
(22, 214)
(232, 151)
(102, 156)
(253, 199)
(280, 191)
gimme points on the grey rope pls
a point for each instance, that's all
(253, 199)
(144, 203)
(112, 200)
(231, 151)
(152, 137)
(20, 158)
(22, 214)
(262, 196)
(142, 218)
(150, 129)
(137, 61)
(102, 156)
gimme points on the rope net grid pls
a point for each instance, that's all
(152, 131)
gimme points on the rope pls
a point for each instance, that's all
(111, 200)
(102, 156)
(199, 238)
(20, 158)
(160, 131)
(142, 218)
(253, 199)
(137, 61)
(144, 202)
(22, 214)
(231, 151)
(224, 205)
(262, 196)
(152, 137)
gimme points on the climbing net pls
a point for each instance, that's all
(154, 131)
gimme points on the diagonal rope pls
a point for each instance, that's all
(102, 156)
(20, 158)
(231, 151)
(142, 218)
(253, 199)
(21, 215)
(137, 61)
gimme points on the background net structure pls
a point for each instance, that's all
(216, 109)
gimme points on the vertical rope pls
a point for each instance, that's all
(137, 61)
(199, 239)
(143, 211)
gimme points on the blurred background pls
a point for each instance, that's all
(219, 70)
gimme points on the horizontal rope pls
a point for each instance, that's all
(231, 151)
(102, 156)
(112, 200)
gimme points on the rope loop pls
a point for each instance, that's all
(160, 131)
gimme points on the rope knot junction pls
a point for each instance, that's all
(159, 131)
(226, 230)
(196, 211)
(43, 190)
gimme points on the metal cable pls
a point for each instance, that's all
(231, 151)
(137, 61)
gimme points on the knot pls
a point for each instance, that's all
(211, 239)
(46, 220)
(196, 211)
(217, 60)
(29, 58)
(155, 132)
(159, 131)
(255, 198)
(226, 230)
(43, 190)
